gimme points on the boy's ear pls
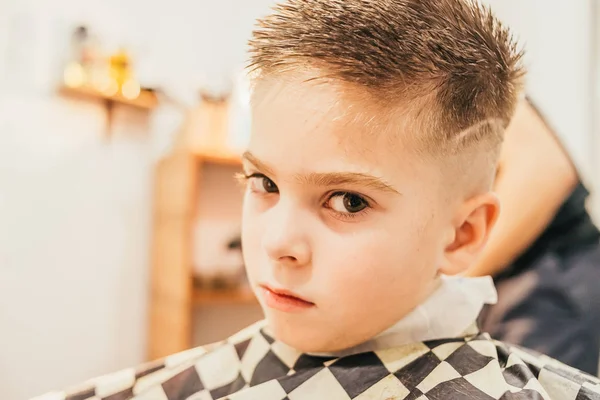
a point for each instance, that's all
(471, 230)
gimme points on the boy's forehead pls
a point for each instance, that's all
(305, 115)
(304, 102)
(299, 94)
(320, 126)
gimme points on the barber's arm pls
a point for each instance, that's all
(534, 178)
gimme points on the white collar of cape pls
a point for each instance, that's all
(451, 311)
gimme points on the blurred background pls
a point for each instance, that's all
(121, 124)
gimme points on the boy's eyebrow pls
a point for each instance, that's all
(329, 178)
(346, 178)
(257, 163)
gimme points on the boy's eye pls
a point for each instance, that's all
(261, 184)
(347, 203)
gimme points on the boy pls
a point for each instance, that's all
(376, 129)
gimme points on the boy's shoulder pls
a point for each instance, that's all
(251, 365)
(154, 378)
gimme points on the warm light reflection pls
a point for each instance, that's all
(111, 88)
(131, 89)
(74, 75)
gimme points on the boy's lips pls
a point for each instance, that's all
(284, 300)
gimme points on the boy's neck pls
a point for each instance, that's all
(464, 298)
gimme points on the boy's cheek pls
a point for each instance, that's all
(377, 266)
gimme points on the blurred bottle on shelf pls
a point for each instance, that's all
(86, 47)
(107, 72)
(83, 58)
(121, 73)
(210, 124)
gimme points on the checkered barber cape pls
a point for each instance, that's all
(253, 366)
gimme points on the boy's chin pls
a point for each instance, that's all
(307, 338)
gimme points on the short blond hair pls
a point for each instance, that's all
(452, 61)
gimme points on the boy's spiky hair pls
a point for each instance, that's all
(451, 61)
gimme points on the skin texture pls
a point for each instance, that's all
(309, 158)
(535, 177)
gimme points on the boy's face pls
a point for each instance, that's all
(346, 220)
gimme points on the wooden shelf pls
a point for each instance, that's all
(146, 100)
(218, 158)
(200, 163)
(208, 297)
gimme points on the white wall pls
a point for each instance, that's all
(75, 211)
(74, 245)
(558, 37)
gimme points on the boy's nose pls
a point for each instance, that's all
(284, 238)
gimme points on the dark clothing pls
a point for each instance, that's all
(549, 298)
(570, 230)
